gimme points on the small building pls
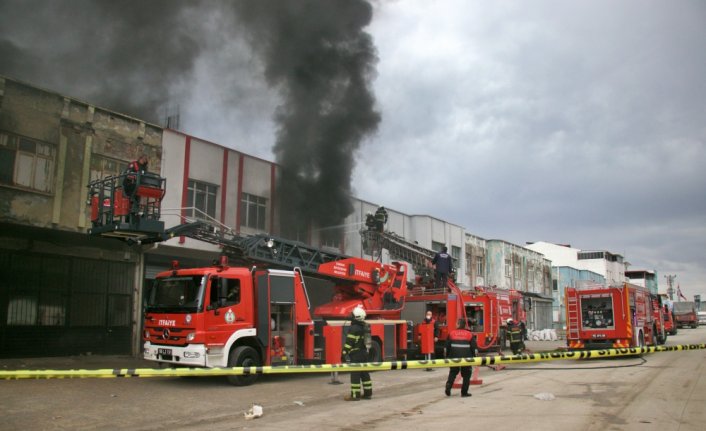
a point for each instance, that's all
(645, 278)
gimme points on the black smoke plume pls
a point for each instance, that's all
(138, 57)
(318, 57)
(121, 55)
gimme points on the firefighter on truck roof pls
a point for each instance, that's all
(356, 350)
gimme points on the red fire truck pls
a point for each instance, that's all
(486, 309)
(255, 312)
(600, 317)
(225, 315)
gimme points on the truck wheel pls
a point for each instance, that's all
(375, 352)
(243, 356)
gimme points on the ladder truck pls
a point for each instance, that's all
(486, 309)
(250, 308)
(605, 317)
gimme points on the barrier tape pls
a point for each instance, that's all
(328, 368)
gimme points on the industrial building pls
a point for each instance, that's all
(67, 293)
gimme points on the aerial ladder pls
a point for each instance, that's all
(136, 220)
(376, 240)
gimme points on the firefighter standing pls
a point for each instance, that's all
(370, 221)
(444, 266)
(429, 335)
(135, 167)
(380, 219)
(515, 336)
(460, 344)
(355, 350)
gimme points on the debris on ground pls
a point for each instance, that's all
(254, 412)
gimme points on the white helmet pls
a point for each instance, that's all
(358, 314)
(509, 321)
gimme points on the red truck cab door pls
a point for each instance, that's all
(228, 300)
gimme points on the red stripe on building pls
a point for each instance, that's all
(238, 216)
(273, 178)
(185, 182)
(224, 185)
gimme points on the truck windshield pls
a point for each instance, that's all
(176, 295)
(597, 313)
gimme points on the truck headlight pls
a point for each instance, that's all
(191, 355)
(190, 336)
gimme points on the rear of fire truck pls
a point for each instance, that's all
(597, 317)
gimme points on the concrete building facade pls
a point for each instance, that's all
(510, 266)
(64, 293)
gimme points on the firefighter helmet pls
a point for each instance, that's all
(509, 321)
(359, 314)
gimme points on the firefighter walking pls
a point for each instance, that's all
(355, 350)
(460, 344)
(515, 336)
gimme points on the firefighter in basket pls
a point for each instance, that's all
(356, 350)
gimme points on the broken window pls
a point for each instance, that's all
(26, 163)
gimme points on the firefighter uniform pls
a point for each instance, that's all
(515, 337)
(380, 219)
(460, 344)
(444, 266)
(355, 351)
(135, 167)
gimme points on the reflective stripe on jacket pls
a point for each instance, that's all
(460, 344)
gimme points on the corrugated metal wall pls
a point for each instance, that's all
(60, 305)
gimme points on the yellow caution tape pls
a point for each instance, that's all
(328, 368)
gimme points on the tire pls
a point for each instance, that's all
(375, 352)
(243, 356)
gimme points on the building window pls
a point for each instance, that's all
(331, 238)
(26, 163)
(253, 210)
(201, 200)
(518, 272)
(436, 246)
(480, 271)
(102, 167)
(456, 253)
(530, 272)
(508, 267)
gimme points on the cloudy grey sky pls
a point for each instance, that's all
(579, 122)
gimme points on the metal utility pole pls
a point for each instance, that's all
(670, 289)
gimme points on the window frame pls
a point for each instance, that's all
(248, 203)
(42, 153)
(201, 196)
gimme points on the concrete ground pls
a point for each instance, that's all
(663, 391)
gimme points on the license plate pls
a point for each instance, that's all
(164, 352)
